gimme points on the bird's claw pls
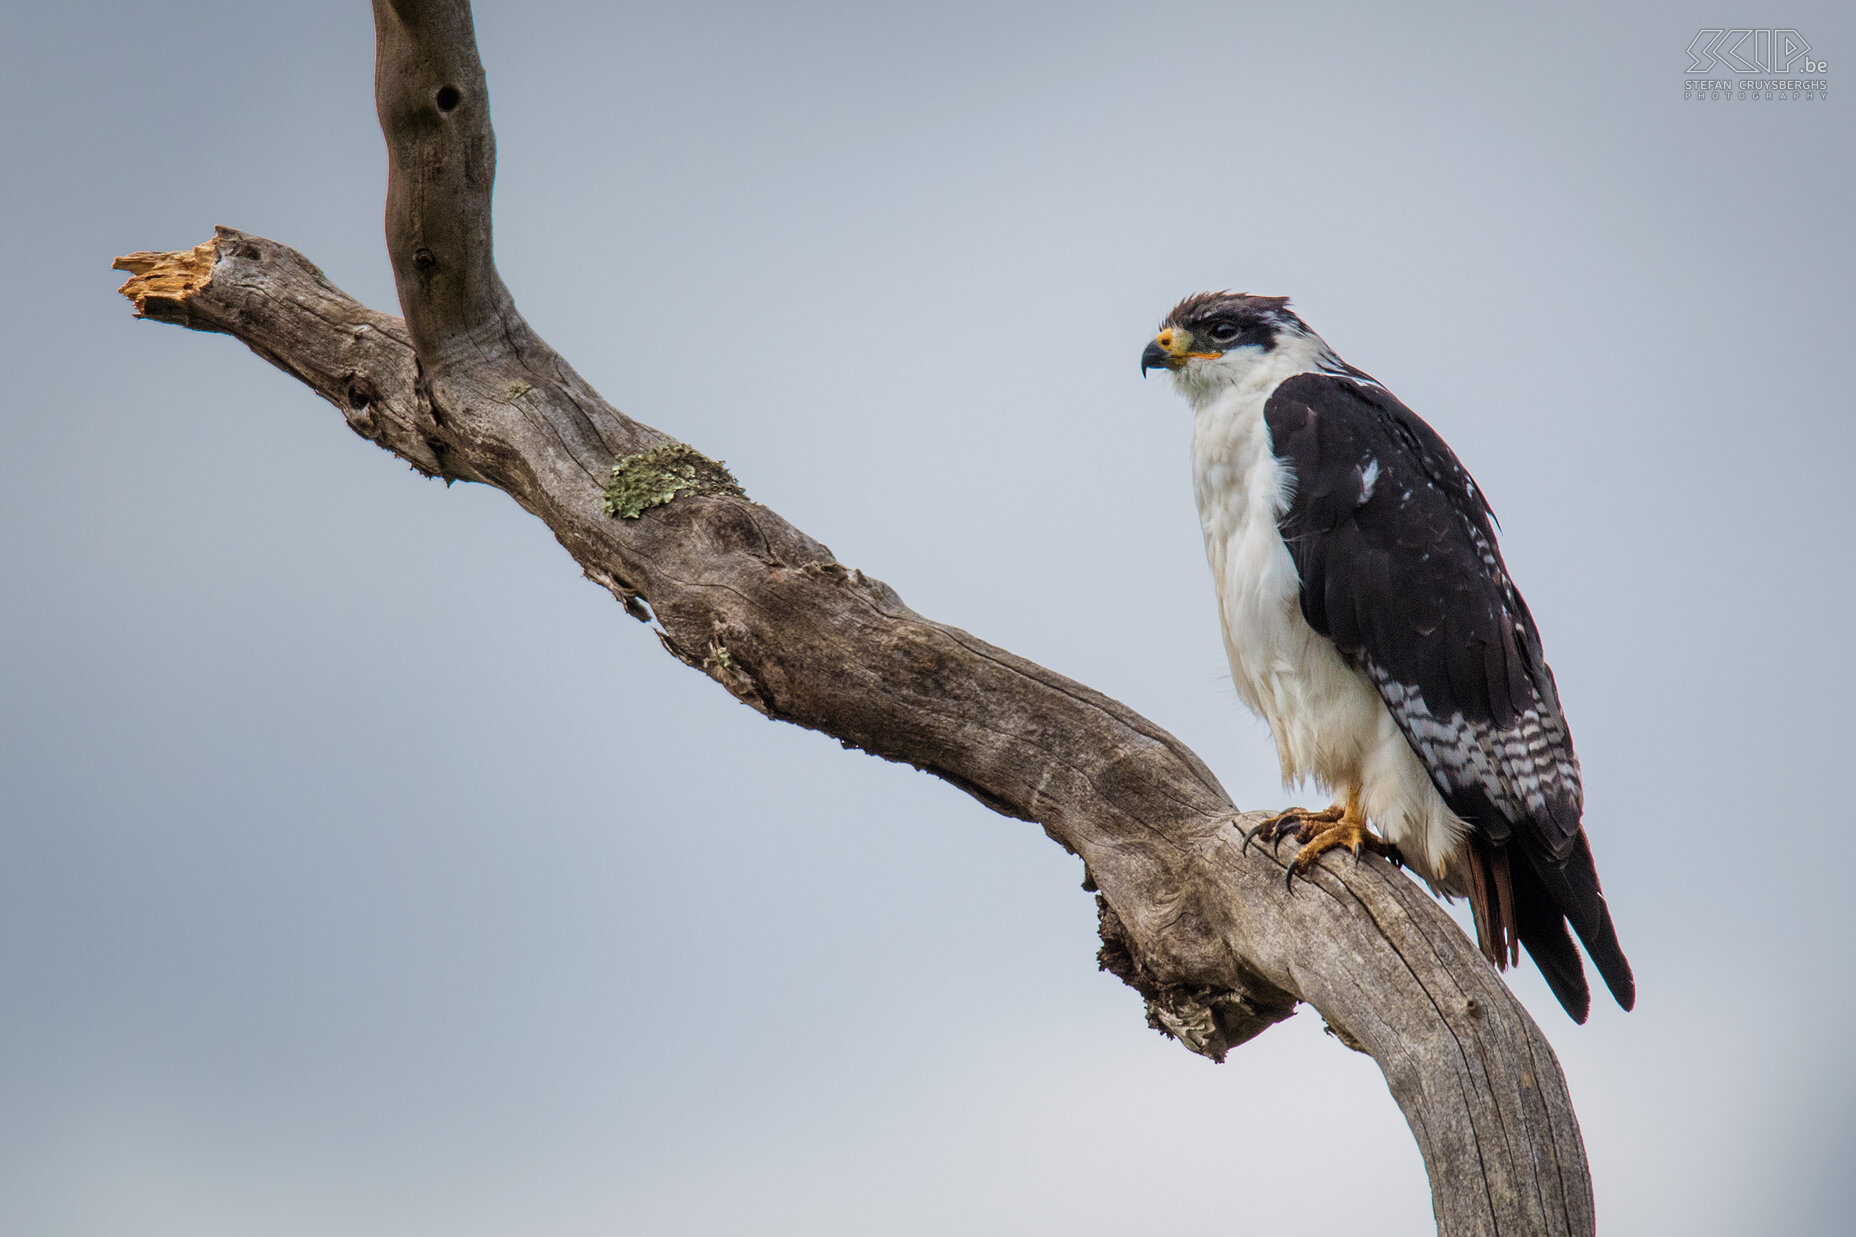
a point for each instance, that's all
(1267, 830)
(1301, 865)
(1298, 822)
(1321, 832)
(1318, 833)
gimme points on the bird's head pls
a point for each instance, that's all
(1212, 339)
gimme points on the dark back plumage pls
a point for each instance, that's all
(1399, 564)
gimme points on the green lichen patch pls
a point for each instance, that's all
(652, 478)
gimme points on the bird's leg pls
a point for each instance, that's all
(1338, 826)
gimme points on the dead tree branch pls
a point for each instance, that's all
(463, 389)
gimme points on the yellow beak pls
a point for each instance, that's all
(1171, 349)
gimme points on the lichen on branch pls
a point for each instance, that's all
(652, 478)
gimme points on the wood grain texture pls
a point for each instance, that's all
(462, 388)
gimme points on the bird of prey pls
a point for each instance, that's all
(1370, 620)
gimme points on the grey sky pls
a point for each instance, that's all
(364, 870)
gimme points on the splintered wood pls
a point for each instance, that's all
(159, 282)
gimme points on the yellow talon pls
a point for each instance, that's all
(1342, 825)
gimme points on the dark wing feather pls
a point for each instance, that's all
(1399, 565)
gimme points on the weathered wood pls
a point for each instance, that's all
(463, 389)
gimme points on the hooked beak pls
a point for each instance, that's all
(1153, 356)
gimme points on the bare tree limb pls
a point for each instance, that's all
(1207, 933)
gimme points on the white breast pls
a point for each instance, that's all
(1328, 721)
(1281, 667)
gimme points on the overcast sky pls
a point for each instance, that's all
(365, 870)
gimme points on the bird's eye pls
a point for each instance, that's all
(1225, 332)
